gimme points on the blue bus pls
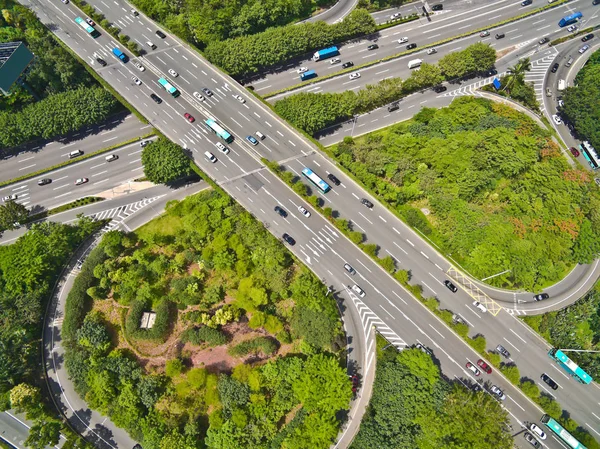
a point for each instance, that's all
(590, 154)
(218, 130)
(316, 180)
(570, 366)
(561, 433)
(87, 27)
(308, 75)
(168, 87)
(568, 20)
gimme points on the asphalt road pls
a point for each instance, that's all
(33, 157)
(336, 13)
(442, 26)
(319, 245)
(101, 175)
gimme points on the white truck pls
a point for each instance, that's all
(414, 63)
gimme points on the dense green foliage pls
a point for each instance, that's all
(202, 21)
(412, 406)
(312, 112)
(513, 85)
(57, 95)
(11, 214)
(501, 195)
(165, 161)
(202, 251)
(244, 55)
(28, 270)
(577, 327)
(582, 102)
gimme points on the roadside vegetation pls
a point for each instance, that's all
(582, 102)
(574, 327)
(246, 344)
(414, 406)
(488, 186)
(57, 95)
(248, 54)
(202, 22)
(28, 270)
(513, 86)
(313, 112)
(165, 161)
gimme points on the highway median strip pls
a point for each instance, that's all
(405, 53)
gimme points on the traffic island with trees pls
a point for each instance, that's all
(513, 86)
(488, 186)
(413, 406)
(200, 330)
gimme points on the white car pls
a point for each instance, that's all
(583, 49)
(304, 212)
(9, 198)
(484, 34)
(135, 13)
(572, 28)
(498, 392)
(402, 40)
(479, 306)
(81, 181)
(561, 103)
(359, 291)
(354, 76)
(222, 148)
(90, 22)
(539, 432)
(136, 80)
(335, 61)
(139, 66)
(556, 119)
(431, 51)
(239, 98)
(198, 96)
(395, 16)
(173, 73)
(302, 69)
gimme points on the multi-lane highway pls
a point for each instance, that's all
(425, 33)
(34, 157)
(100, 174)
(318, 244)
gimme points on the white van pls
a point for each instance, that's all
(75, 153)
(562, 84)
(414, 63)
(210, 157)
(111, 157)
(260, 135)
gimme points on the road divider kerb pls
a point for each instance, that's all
(405, 53)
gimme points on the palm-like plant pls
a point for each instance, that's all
(516, 73)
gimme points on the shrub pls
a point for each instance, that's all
(478, 343)
(174, 368)
(254, 346)
(356, 237)
(371, 249)
(388, 263)
(134, 317)
(511, 372)
(204, 334)
(530, 389)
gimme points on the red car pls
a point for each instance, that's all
(190, 118)
(354, 379)
(574, 151)
(484, 366)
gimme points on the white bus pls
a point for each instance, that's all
(414, 63)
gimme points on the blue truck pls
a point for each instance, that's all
(308, 75)
(326, 53)
(119, 54)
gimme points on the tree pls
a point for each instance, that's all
(43, 434)
(93, 335)
(427, 75)
(164, 162)
(25, 398)
(12, 213)
(315, 327)
(233, 393)
(454, 65)
(516, 73)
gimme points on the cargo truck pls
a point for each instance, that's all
(414, 63)
(119, 54)
(308, 75)
(326, 53)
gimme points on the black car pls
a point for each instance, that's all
(160, 34)
(587, 37)
(500, 36)
(422, 348)
(411, 46)
(44, 181)
(541, 296)
(595, 2)
(156, 98)
(554, 67)
(439, 89)
(280, 211)
(450, 286)
(526, 2)
(491, 72)
(437, 7)
(288, 238)
(101, 61)
(393, 107)
(333, 179)
(549, 381)
(207, 91)
(367, 203)
(137, 446)
(373, 47)
(502, 350)
(345, 65)
(543, 40)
